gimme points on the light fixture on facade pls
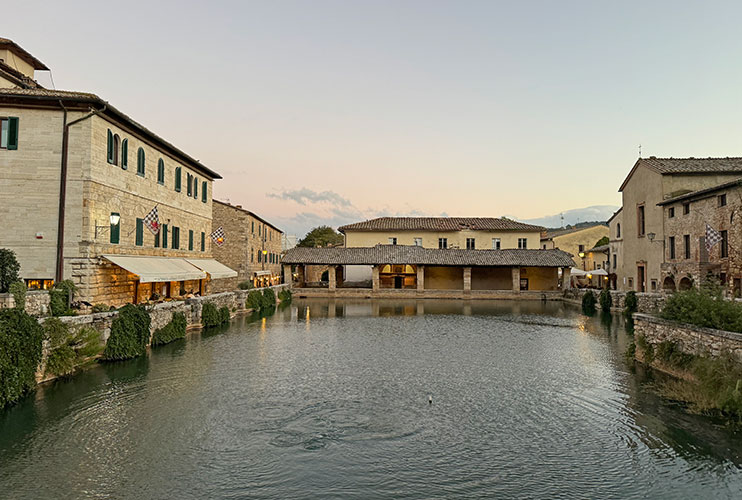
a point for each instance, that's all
(582, 255)
(114, 219)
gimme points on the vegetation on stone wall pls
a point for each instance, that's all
(704, 307)
(285, 296)
(9, 269)
(21, 339)
(588, 302)
(68, 350)
(211, 316)
(602, 241)
(254, 300)
(605, 299)
(174, 330)
(129, 334)
(269, 298)
(60, 298)
(631, 304)
(99, 308)
(18, 291)
(245, 285)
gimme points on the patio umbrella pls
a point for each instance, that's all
(577, 272)
(598, 272)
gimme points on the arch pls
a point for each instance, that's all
(125, 154)
(160, 171)
(116, 147)
(668, 284)
(685, 284)
(141, 162)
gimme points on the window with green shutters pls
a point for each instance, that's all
(160, 171)
(109, 155)
(115, 229)
(189, 184)
(190, 239)
(177, 179)
(175, 243)
(140, 161)
(157, 238)
(203, 191)
(164, 236)
(140, 232)
(9, 133)
(125, 154)
(203, 241)
(195, 187)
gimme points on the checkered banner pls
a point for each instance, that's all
(218, 236)
(152, 221)
(712, 237)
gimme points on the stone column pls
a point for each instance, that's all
(332, 278)
(287, 276)
(516, 279)
(420, 278)
(566, 278)
(375, 278)
(467, 279)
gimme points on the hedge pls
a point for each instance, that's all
(631, 304)
(285, 296)
(174, 330)
(269, 298)
(21, 339)
(605, 299)
(588, 302)
(706, 308)
(254, 300)
(129, 334)
(60, 297)
(68, 351)
(211, 316)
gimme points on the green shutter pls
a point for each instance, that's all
(190, 239)
(157, 239)
(161, 171)
(203, 191)
(203, 241)
(175, 243)
(125, 154)
(140, 232)
(13, 132)
(189, 182)
(177, 179)
(110, 146)
(115, 231)
(195, 187)
(164, 236)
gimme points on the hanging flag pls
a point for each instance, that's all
(712, 237)
(218, 236)
(152, 221)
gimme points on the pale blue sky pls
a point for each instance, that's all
(464, 108)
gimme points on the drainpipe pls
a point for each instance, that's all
(63, 187)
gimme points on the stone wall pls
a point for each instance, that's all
(646, 302)
(37, 302)
(690, 339)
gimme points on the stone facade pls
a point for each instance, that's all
(37, 302)
(252, 247)
(646, 302)
(690, 339)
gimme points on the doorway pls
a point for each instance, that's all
(640, 285)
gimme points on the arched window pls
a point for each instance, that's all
(125, 154)
(195, 187)
(109, 147)
(140, 162)
(177, 179)
(160, 171)
(203, 191)
(116, 146)
(618, 230)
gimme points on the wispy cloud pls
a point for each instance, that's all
(304, 195)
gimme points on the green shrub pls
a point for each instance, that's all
(246, 285)
(210, 315)
(224, 315)
(705, 307)
(21, 339)
(129, 334)
(18, 290)
(68, 351)
(285, 296)
(670, 353)
(60, 297)
(269, 298)
(630, 353)
(605, 299)
(631, 304)
(174, 330)
(646, 348)
(99, 308)
(588, 302)
(9, 269)
(254, 300)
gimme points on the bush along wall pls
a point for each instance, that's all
(269, 298)
(211, 316)
(21, 339)
(60, 298)
(174, 330)
(605, 299)
(129, 334)
(631, 304)
(588, 302)
(254, 300)
(705, 307)
(285, 296)
(67, 351)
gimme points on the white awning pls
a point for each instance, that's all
(214, 268)
(598, 272)
(157, 269)
(577, 272)
(263, 273)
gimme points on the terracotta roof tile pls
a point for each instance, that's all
(440, 224)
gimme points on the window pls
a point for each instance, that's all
(140, 162)
(522, 243)
(724, 247)
(392, 241)
(178, 171)
(195, 187)
(164, 236)
(115, 229)
(442, 242)
(160, 170)
(189, 184)
(259, 257)
(259, 229)
(203, 241)
(671, 246)
(654, 285)
(722, 198)
(686, 245)
(9, 133)
(157, 239)
(175, 241)
(116, 146)
(640, 221)
(190, 240)
(252, 230)
(109, 147)
(615, 261)
(580, 248)
(418, 242)
(140, 233)
(671, 212)
(203, 191)
(125, 154)
(631, 283)
(495, 243)
(252, 255)
(618, 230)
(470, 244)
(686, 208)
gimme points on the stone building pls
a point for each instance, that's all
(77, 179)
(252, 246)
(687, 261)
(575, 240)
(615, 246)
(650, 182)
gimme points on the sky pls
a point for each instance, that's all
(328, 112)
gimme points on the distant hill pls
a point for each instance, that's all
(574, 217)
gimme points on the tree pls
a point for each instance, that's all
(321, 236)
(602, 241)
(9, 268)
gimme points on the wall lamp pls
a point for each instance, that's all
(114, 220)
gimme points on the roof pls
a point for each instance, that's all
(600, 249)
(248, 212)
(439, 224)
(8, 44)
(701, 193)
(561, 232)
(403, 254)
(614, 215)
(15, 76)
(55, 97)
(688, 166)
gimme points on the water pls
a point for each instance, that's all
(330, 400)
